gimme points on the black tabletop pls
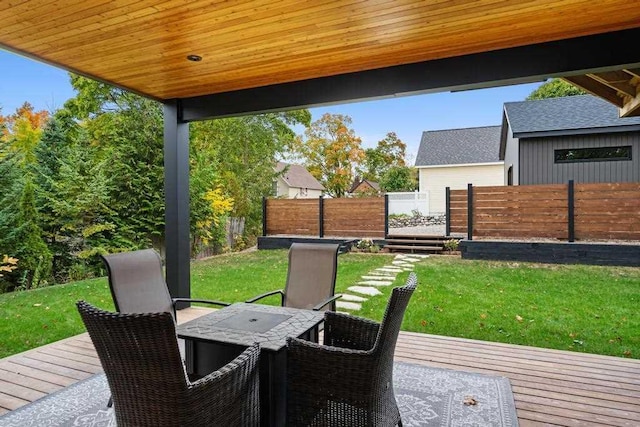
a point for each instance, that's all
(244, 324)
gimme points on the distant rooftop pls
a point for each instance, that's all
(566, 115)
(299, 177)
(459, 146)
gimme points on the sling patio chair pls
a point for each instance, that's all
(311, 277)
(137, 283)
(139, 354)
(348, 381)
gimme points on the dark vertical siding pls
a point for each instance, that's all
(537, 159)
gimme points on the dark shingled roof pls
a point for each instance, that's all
(566, 115)
(298, 177)
(459, 146)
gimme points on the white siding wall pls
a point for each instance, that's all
(434, 180)
(294, 192)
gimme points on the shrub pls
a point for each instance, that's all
(367, 245)
(451, 245)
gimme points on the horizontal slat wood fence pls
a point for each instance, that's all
(293, 216)
(600, 211)
(359, 217)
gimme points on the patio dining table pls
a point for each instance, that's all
(215, 339)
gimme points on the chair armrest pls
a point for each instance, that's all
(346, 331)
(204, 301)
(324, 303)
(279, 291)
(232, 392)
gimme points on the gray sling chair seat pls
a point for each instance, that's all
(140, 356)
(137, 283)
(348, 381)
(311, 277)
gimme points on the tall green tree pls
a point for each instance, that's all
(555, 88)
(332, 152)
(399, 178)
(127, 131)
(20, 234)
(389, 152)
(238, 155)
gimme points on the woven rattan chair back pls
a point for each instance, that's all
(149, 386)
(349, 380)
(137, 282)
(311, 275)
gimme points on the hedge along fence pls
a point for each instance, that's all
(560, 211)
(358, 217)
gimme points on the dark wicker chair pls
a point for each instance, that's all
(311, 277)
(137, 283)
(139, 354)
(349, 380)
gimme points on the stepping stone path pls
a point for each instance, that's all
(383, 276)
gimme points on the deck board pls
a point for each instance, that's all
(550, 387)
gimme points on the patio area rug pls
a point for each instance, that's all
(426, 397)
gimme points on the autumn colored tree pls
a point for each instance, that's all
(332, 152)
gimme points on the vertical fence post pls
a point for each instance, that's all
(264, 216)
(469, 211)
(570, 213)
(447, 211)
(321, 216)
(386, 215)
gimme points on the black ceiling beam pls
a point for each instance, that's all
(602, 52)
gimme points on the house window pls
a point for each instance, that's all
(510, 175)
(274, 188)
(592, 154)
(303, 192)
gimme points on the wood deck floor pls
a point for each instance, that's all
(550, 387)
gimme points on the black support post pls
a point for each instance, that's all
(386, 216)
(321, 216)
(176, 194)
(570, 213)
(264, 216)
(469, 211)
(447, 211)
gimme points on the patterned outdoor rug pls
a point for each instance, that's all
(426, 396)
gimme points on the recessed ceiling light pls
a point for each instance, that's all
(194, 58)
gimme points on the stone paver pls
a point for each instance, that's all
(375, 283)
(365, 290)
(390, 269)
(379, 278)
(348, 305)
(354, 298)
(383, 273)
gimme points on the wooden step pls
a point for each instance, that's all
(414, 248)
(417, 236)
(395, 241)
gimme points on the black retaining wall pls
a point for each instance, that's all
(284, 242)
(553, 253)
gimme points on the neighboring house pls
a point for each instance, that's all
(296, 183)
(364, 186)
(551, 141)
(457, 157)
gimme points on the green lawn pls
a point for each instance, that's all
(580, 308)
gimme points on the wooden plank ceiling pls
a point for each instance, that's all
(621, 88)
(143, 45)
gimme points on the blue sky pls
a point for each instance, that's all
(47, 87)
